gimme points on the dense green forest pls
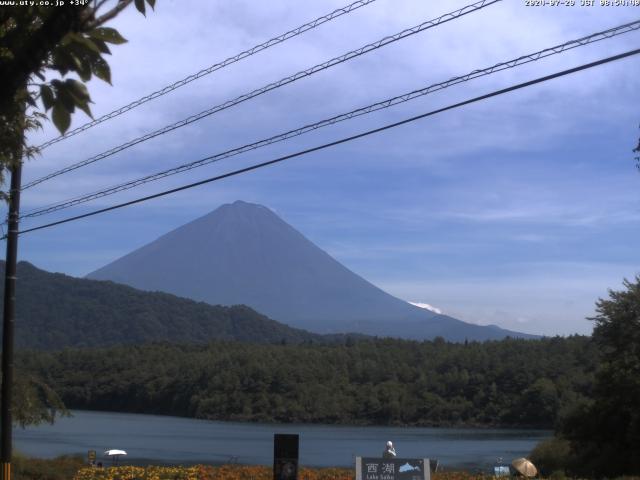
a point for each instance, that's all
(507, 383)
(58, 311)
(600, 436)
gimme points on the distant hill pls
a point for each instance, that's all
(55, 311)
(243, 253)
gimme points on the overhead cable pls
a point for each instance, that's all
(338, 142)
(272, 86)
(633, 26)
(217, 66)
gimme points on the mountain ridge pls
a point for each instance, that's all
(56, 311)
(244, 253)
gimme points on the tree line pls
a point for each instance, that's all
(523, 383)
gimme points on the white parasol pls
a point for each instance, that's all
(115, 454)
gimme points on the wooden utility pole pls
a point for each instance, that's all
(9, 316)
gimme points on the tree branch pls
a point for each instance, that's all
(101, 20)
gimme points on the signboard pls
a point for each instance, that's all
(501, 471)
(285, 456)
(369, 468)
(91, 455)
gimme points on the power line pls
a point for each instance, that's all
(632, 26)
(341, 141)
(272, 86)
(217, 66)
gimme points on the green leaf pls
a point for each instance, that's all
(46, 94)
(66, 99)
(85, 108)
(66, 40)
(76, 62)
(106, 34)
(82, 67)
(62, 61)
(101, 69)
(102, 46)
(85, 42)
(79, 41)
(78, 89)
(75, 58)
(61, 117)
(140, 6)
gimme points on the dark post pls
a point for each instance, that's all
(285, 456)
(9, 320)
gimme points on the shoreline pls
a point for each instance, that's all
(459, 426)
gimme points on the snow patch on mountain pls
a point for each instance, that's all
(426, 306)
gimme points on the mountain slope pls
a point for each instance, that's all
(243, 253)
(55, 311)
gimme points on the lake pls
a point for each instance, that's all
(160, 439)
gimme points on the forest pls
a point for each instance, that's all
(585, 388)
(511, 383)
(60, 311)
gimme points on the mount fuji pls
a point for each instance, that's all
(243, 253)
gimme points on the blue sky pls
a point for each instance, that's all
(518, 211)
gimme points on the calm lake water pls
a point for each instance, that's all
(159, 439)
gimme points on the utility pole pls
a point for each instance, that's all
(9, 316)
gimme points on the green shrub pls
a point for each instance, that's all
(61, 468)
(552, 457)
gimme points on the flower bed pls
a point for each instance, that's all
(234, 472)
(201, 472)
